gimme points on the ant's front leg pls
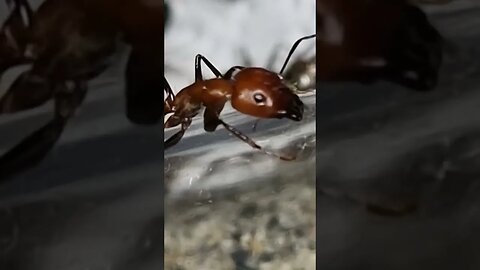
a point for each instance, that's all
(211, 121)
(31, 150)
(252, 143)
(210, 116)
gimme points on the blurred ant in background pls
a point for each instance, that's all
(367, 41)
(67, 43)
(300, 74)
(253, 91)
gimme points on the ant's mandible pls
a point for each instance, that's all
(253, 91)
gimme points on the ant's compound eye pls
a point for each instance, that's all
(259, 98)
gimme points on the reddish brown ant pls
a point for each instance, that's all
(254, 91)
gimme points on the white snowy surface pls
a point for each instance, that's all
(220, 30)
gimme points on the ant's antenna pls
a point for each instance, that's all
(295, 45)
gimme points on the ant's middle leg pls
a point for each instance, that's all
(229, 73)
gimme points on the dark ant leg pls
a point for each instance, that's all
(292, 50)
(168, 104)
(229, 73)
(168, 89)
(14, 36)
(21, 12)
(31, 150)
(175, 138)
(250, 142)
(198, 68)
(210, 116)
(26, 92)
(26, 11)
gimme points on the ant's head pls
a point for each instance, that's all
(261, 93)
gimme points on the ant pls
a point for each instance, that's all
(253, 91)
(369, 41)
(67, 43)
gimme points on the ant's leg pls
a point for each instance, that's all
(167, 107)
(26, 10)
(250, 142)
(31, 150)
(198, 68)
(26, 92)
(168, 104)
(14, 37)
(210, 116)
(175, 138)
(22, 13)
(229, 73)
